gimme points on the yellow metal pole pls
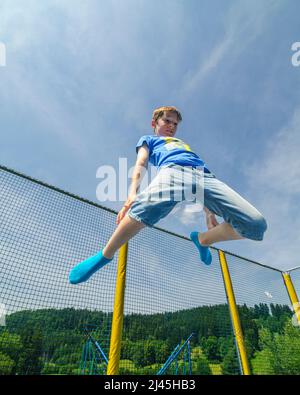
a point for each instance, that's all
(118, 314)
(234, 314)
(292, 294)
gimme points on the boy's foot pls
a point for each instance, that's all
(85, 269)
(205, 253)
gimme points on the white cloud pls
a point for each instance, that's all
(279, 170)
(33, 76)
(274, 186)
(188, 213)
(244, 22)
(193, 79)
(268, 294)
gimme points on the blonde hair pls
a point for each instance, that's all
(159, 112)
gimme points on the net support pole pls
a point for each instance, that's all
(118, 314)
(292, 294)
(234, 315)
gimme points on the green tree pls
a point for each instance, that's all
(250, 329)
(202, 366)
(280, 352)
(230, 364)
(210, 348)
(262, 363)
(163, 351)
(30, 359)
(150, 352)
(11, 346)
(287, 346)
(6, 364)
(225, 344)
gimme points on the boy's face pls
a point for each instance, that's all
(166, 125)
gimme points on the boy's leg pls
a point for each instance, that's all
(202, 241)
(242, 220)
(221, 232)
(126, 229)
(149, 207)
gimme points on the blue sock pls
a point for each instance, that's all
(85, 269)
(204, 251)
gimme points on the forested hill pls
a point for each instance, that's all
(50, 341)
(172, 326)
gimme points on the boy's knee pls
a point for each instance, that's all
(262, 223)
(259, 226)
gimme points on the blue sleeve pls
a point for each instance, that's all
(142, 140)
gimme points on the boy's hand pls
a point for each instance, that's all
(211, 221)
(125, 208)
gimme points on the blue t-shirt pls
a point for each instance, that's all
(167, 150)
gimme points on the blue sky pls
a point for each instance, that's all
(83, 77)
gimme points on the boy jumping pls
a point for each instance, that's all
(172, 156)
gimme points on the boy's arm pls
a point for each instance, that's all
(207, 212)
(139, 170)
(138, 173)
(211, 220)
